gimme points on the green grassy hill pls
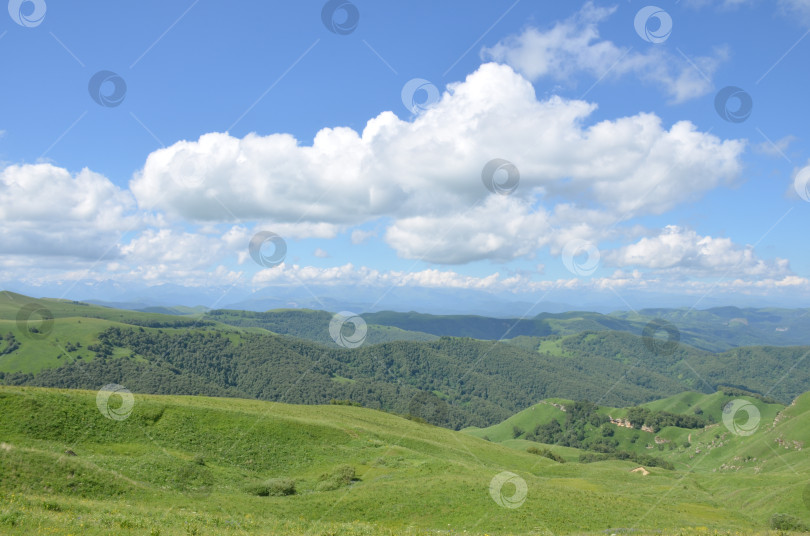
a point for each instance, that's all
(756, 464)
(778, 372)
(454, 382)
(11, 303)
(458, 382)
(192, 465)
(62, 325)
(708, 406)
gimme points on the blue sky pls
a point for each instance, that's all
(256, 117)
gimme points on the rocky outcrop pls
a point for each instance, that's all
(624, 423)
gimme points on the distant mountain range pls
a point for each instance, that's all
(364, 299)
(714, 330)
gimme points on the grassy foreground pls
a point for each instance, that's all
(193, 465)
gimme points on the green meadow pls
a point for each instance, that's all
(72, 463)
(195, 465)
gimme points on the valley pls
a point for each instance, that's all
(601, 430)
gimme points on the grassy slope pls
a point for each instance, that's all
(138, 476)
(81, 322)
(74, 323)
(526, 420)
(10, 304)
(544, 411)
(757, 472)
(781, 372)
(683, 403)
(761, 473)
(34, 356)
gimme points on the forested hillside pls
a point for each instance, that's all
(720, 328)
(714, 330)
(311, 325)
(782, 373)
(451, 381)
(658, 434)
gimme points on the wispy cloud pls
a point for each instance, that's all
(574, 46)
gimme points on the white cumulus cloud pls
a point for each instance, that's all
(424, 175)
(47, 211)
(677, 250)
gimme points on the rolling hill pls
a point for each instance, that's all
(714, 330)
(778, 372)
(311, 325)
(173, 465)
(752, 454)
(460, 381)
(453, 382)
(242, 462)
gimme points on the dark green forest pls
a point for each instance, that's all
(452, 382)
(403, 365)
